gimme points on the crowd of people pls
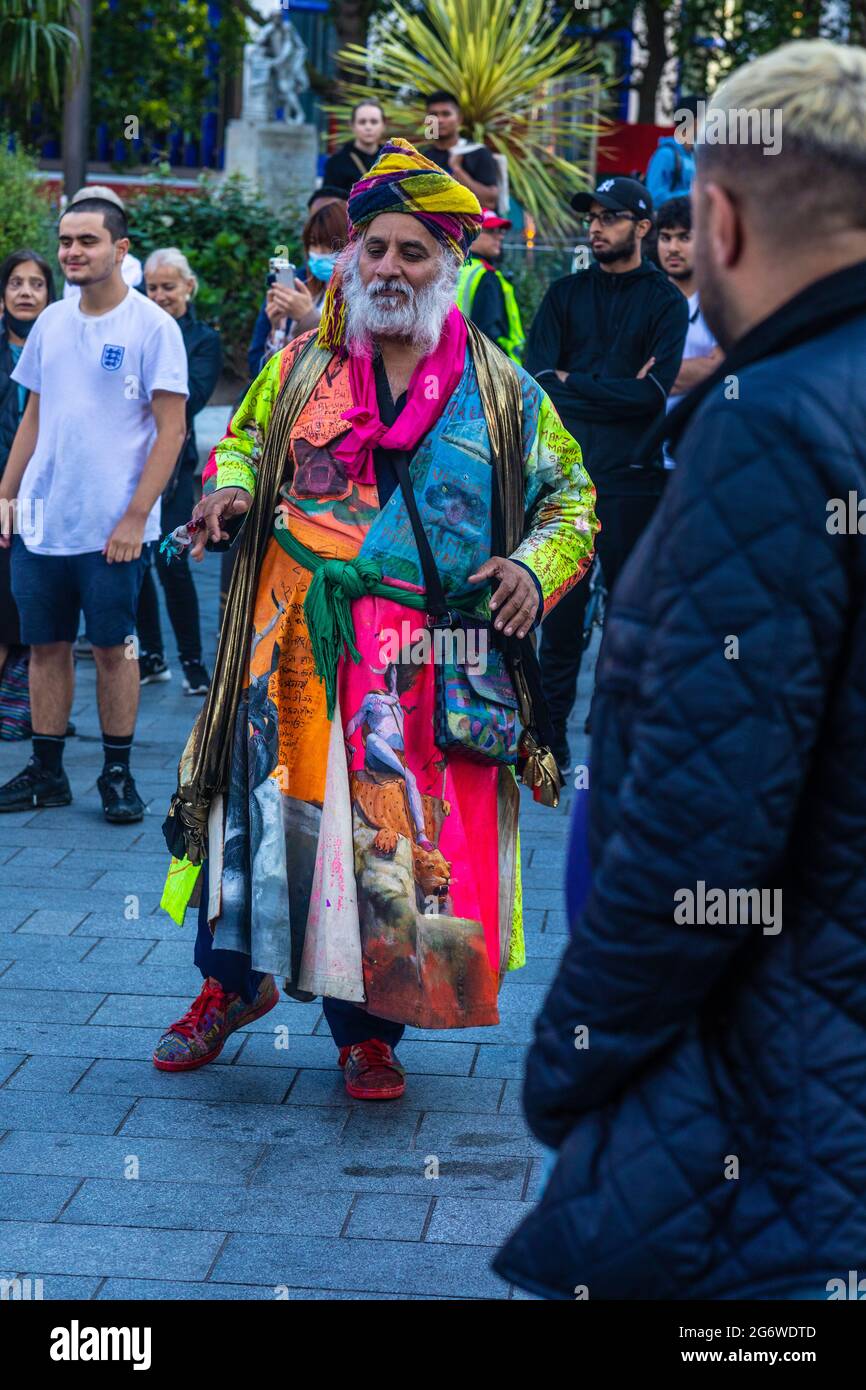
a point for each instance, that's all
(405, 459)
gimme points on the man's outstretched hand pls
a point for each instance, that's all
(215, 510)
(514, 600)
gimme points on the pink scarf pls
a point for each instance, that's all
(444, 365)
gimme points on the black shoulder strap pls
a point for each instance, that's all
(437, 604)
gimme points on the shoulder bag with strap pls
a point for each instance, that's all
(475, 705)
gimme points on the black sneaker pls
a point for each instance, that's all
(196, 680)
(120, 801)
(35, 786)
(153, 668)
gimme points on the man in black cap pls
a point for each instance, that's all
(606, 344)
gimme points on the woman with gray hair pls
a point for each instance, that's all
(170, 282)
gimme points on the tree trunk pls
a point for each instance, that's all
(76, 106)
(351, 18)
(657, 56)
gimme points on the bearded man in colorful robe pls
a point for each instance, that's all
(343, 850)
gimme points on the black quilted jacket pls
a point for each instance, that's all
(712, 1135)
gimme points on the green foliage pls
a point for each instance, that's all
(26, 216)
(228, 235)
(150, 60)
(35, 39)
(504, 61)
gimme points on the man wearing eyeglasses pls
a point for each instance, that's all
(607, 344)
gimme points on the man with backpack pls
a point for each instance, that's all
(671, 170)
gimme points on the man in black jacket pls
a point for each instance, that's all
(700, 1060)
(606, 344)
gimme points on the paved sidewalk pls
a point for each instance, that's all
(255, 1177)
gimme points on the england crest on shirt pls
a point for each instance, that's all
(112, 356)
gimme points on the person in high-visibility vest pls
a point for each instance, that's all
(483, 293)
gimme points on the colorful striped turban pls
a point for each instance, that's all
(404, 180)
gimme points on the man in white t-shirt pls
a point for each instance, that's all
(99, 438)
(701, 354)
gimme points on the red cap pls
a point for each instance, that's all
(491, 220)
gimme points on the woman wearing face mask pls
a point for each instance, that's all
(26, 287)
(294, 311)
(169, 281)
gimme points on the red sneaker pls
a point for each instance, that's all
(372, 1071)
(201, 1034)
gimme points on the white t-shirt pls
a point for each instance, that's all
(130, 269)
(699, 343)
(95, 375)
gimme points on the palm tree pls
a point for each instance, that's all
(35, 41)
(507, 63)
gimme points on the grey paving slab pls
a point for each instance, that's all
(505, 1134)
(391, 1126)
(257, 1086)
(47, 1005)
(378, 1216)
(11, 918)
(45, 922)
(48, 1074)
(375, 1266)
(33, 1197)
(136, 1289)
(456, 1221)
(44, 951)
(113, 950)
(151, 927)
(40, 1110)
(107, 977)
(9, 1064)
(99, 1156)
(171, 951)
(90, 835)
(500, 1059)
(271, 1124)
(57, 1288)
(375, 1169)
(34, 857)
(304, 1050)
(31, 877)
(180, 1206)
(511, 1103)
(55, 1248)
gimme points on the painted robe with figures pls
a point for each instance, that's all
(351, 856)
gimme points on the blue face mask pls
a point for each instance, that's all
(321, 267)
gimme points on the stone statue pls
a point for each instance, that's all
(275, 73)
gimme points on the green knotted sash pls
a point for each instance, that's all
(328, 605)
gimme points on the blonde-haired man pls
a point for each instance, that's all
(712, 1135)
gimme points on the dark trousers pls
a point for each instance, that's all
(623, 519)
(348, 1023)
(181, 598)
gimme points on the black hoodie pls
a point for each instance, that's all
(601, 328)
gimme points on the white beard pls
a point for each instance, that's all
(419, 316)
